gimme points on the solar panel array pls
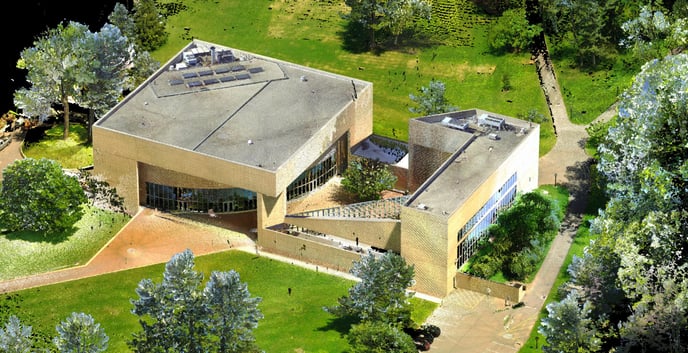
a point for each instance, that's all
(208, 77)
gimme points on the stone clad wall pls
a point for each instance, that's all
(513, 293)
(302, 248)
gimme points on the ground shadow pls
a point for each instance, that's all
(339, 324)
(40, 237)
(578, 185)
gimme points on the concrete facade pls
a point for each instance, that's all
(197, 127)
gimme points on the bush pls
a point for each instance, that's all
(485, 267)
(38, 196)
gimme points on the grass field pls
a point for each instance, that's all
(26, 253)
(292, 323)
(72, 153)
(312, 33)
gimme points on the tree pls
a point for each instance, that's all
(111, 59)
(512, 31)
(367, 178)
(150, 26)
(79, 333)
(431, 100)
(634, 272)
(233, 312)
(653, 34)
(172, 314)
(584, 21)
(567, 327)
(37, 195)
(178, 314)
(121, 18)
(58, 66)
(400, 13)
(378, 337)
(15, 337)
(395, 15)
(381, 294)
(521, 233)
(142, 65)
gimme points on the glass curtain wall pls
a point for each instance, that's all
(475, 229)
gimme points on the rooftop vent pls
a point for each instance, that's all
(454, 124)
(489, 120)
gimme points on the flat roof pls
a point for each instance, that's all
(233, 105)
(478, 157)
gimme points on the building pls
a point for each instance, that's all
(223, 130)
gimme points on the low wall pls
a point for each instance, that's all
(304, 249)
(513, 293)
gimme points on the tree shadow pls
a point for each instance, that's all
(578, 184)
(339, 324)
(343, 197)
(354, 37)
(40, 237)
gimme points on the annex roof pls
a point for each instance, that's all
(233, 105)
(480, 143)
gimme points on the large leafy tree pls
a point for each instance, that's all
(583, 23)
(37, 195)
(519, 238)
(512, 31)
(79, 333)
(653, 34)
(634, 273)
(142, 64)
(150, 26)
(431, 99)
(367, 178)
(179, 314)
(393, 15)
(568, 328)
(58, 66)
(380, 295)
(111, 58)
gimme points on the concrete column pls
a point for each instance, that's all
(270, 210)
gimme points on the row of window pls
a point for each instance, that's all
(471, 234)
(170, 198)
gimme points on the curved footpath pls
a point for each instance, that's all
(470, 321)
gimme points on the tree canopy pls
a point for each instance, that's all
(633, 276)
(381, 294)
(37, 195)
(392, 15)
(179, 314)
(367, 179)
(431, 99)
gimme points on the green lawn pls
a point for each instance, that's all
(588, 92)
(581, 240)
(312, 33)
(72, 153)
(292, 323)
(26, 253)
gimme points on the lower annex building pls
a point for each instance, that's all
(222, 130)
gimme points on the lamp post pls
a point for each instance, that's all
(555, 179)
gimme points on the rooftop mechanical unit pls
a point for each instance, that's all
(454, 124)
(491, 121)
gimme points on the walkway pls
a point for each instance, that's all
(477, 323)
